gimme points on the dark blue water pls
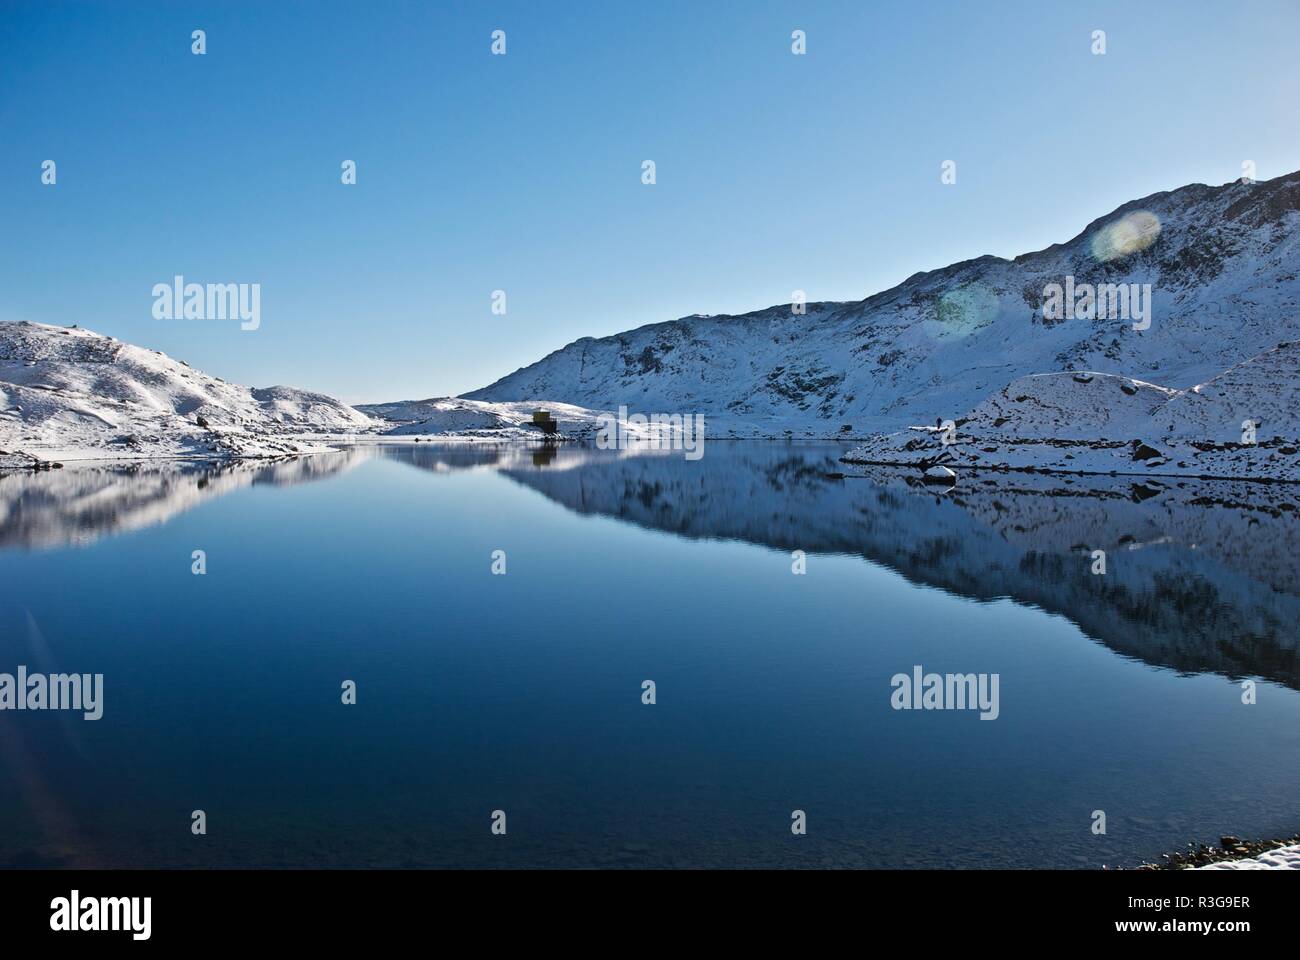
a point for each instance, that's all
(522, 692)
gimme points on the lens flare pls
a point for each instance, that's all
(961, 311)
(1131, 233)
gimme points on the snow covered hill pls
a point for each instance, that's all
(1188, 328)
(68, 393)
(1244, 423)
(1222, 264)
(452, 417)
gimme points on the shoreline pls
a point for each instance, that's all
(1231, 850)
(975, 469)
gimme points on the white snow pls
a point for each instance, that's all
(937, 474)
(456, 418)
(1093, 422)
(69, 394)
(969, 342)
(444, 417)
(1283, 858)
(1225, 287)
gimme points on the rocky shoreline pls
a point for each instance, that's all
(1230, 848)
(20, 460)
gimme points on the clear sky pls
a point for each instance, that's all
(522, 172)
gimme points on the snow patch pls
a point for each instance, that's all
(1283, 858)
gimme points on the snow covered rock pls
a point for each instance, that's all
(940, 475)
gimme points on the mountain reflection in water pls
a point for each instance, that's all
(1201, 576)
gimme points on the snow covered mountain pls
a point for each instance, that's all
(1243, 423)
(1142, 345)
(470, 419)
(1221, 262)
(68, 393)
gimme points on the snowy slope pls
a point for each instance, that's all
(68, 393)
(447, 418)
(1222, 261)
(1099, 423)
(1222, 265)
(1264, 389)
(453, 417)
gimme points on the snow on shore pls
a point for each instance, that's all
(1283, 858)
(1243, 423)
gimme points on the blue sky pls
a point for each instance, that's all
(523, 173)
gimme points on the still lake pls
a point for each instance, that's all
(1120, 692)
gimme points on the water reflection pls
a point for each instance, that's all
(1201, 576)
(81, 503)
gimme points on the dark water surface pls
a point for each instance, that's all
(522, 692)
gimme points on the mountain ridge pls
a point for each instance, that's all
(1221, 262)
